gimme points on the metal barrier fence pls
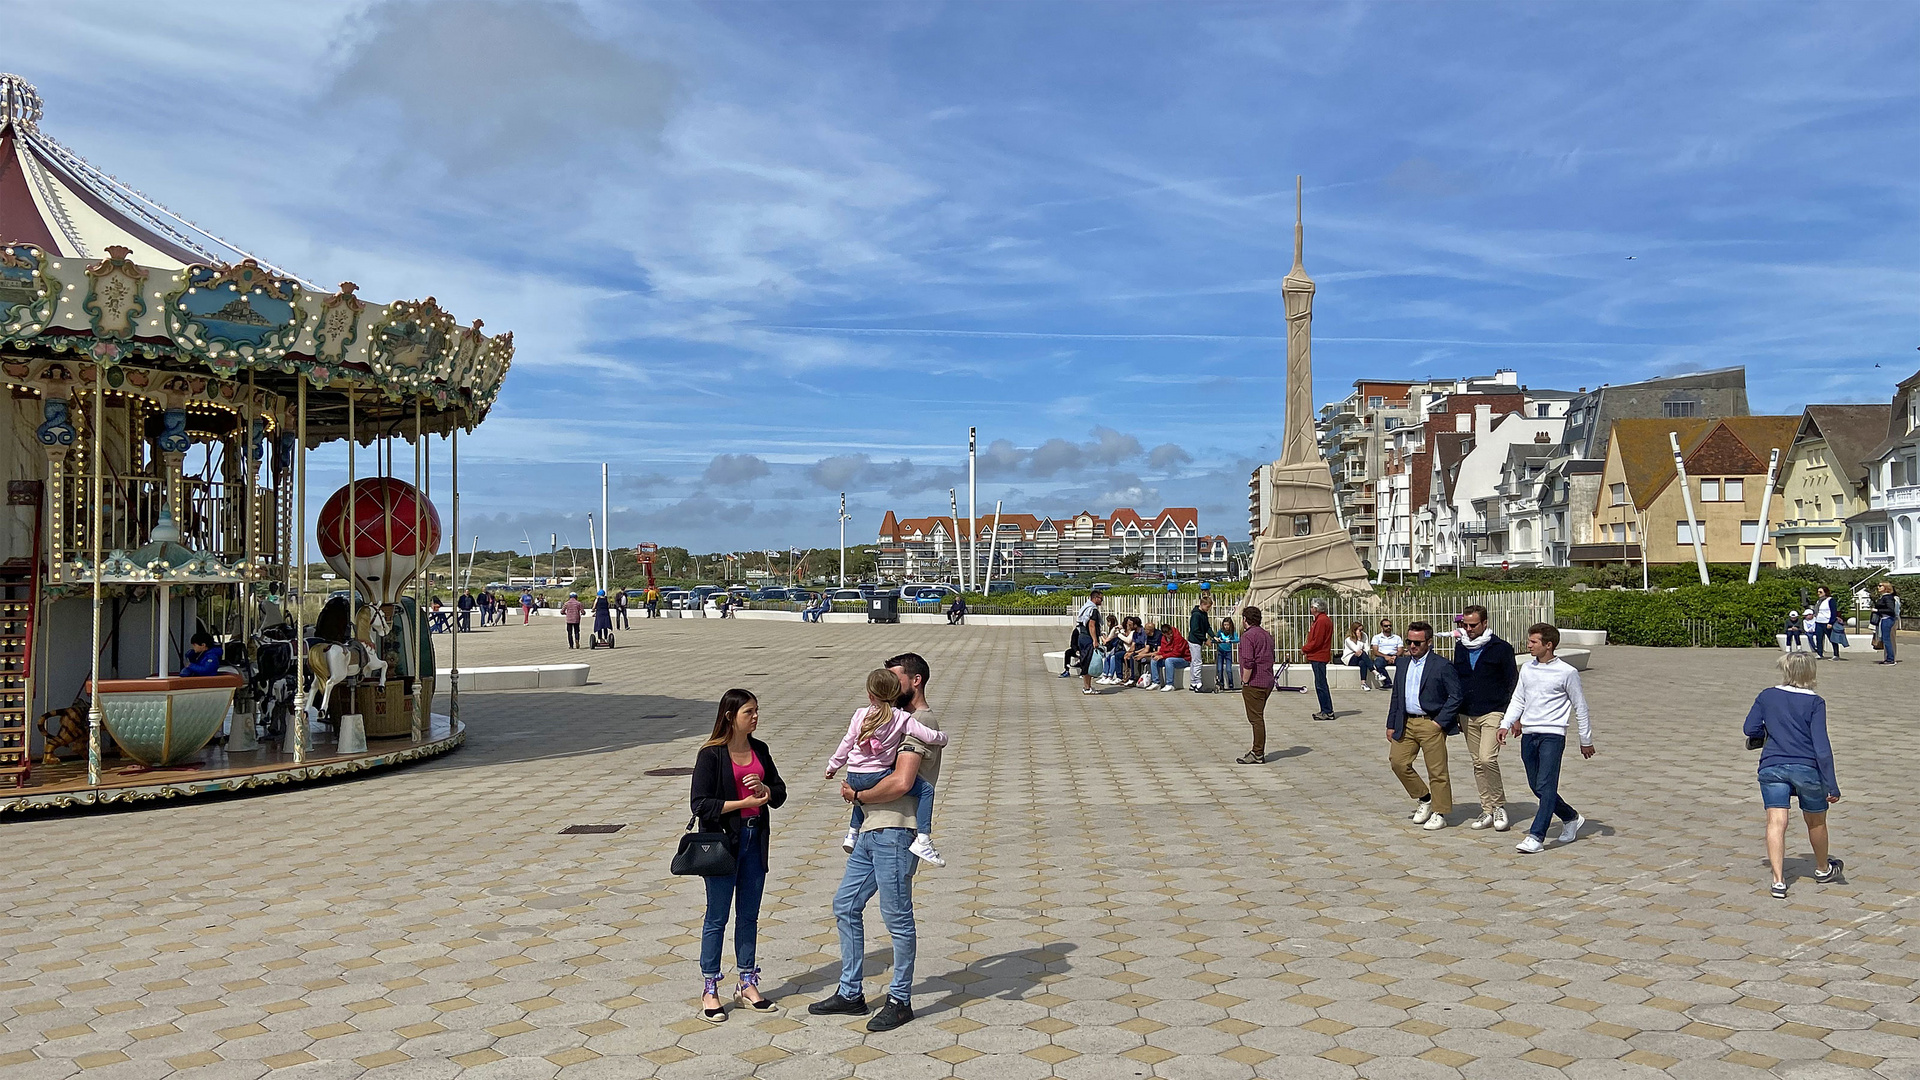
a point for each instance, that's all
(1509, 613)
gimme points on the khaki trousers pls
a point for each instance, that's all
(1424, 737)
(1483, 744)
(1255, 699)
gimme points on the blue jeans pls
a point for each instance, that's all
(740, 890)
(880, 864)
(1163, 668)
(1223, 668)
(921, 790)
(1320, 686)
(1886, 634)
(1541, 755)
(1779, 783)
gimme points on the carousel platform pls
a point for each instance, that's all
(214, 771)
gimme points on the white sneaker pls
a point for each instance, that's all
(1481, 822)
(1423, 811)
(923, 848)
(1528, 845)
(1500, 822)
(1089, 691)
(1572, 831)
(1166, 688)
(1435, 823)
(846, 845)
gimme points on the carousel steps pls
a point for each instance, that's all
(16, 646)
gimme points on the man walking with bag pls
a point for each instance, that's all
(1086, 634)
(1487, 669)
(1422, 711)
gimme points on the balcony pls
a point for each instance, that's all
(1815, 527)
(1906, 497)
(1495, 525)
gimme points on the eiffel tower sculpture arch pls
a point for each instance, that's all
(1304, 543)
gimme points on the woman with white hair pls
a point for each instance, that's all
(1796, 761)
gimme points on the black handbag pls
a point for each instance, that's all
(703, 854)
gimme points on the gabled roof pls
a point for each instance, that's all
(1851, 433)
(889, 526)
(1724, 446)
(1896, 432)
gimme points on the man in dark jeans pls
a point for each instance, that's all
(881, 864)
(465, 604)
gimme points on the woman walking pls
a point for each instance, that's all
(1828, 624)
(735, 784)
(1224, 641)
(1795, 762)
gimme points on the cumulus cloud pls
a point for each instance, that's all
(1167, 457)
(645, 483)
(845, 472)
(733, 470)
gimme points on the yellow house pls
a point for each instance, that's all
(1824, 481)
(1726, 459)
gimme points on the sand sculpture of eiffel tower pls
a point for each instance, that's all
(1304, 543)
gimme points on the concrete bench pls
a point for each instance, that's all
(1585, 639)
(529, 677)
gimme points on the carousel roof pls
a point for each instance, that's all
(92, 266)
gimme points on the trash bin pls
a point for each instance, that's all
(883, 609)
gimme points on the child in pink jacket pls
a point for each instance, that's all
(868, 751)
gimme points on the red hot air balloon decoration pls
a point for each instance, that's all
(396, 533)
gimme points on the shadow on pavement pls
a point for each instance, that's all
(514, 725)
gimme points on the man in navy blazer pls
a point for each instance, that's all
(1422, 710)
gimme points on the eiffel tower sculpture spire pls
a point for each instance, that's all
(1304, 543)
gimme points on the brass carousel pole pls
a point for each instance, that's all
(297, 724)
(453, 556)
(351, 547)
(420, 678)
(96, 716)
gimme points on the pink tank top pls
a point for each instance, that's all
(742, 791)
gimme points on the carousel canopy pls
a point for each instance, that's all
(97, 270)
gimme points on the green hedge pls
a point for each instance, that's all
(1728, 616)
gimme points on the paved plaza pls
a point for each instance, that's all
(1121, 901)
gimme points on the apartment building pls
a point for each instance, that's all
(1823, 482)
(1887, 533)
(1169, 542)
(1642, 511)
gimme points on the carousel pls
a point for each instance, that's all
(159, 634)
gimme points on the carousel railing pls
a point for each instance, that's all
(210, 514)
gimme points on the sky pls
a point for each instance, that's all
(755, 255)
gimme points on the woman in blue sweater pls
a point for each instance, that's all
(1796, 761)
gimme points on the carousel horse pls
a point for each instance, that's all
(335, 654)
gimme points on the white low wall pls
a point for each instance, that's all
(930, 618)
(1342, 676)
(530, 677)
(1586, 639)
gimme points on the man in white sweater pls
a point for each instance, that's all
(1547, 697)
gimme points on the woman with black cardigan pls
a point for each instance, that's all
(735, 784)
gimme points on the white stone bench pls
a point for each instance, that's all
(1586, 639)
(529, 677)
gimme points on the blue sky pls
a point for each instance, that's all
(754, 254)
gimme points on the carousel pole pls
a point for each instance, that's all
(297, 724)
(350, 737)
(421, 679)
(96, 716)
(242, 737)
(453, 555)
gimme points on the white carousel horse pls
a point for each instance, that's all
(333, 662)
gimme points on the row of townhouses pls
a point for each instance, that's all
(1485, 471)
(1169, 542)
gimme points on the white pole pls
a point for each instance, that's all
(843, 539)
(606, 531)
(593, 552)
(1686, 494)
(993, 544)
(466, 580)
(973, 515)
(1766, 502)
(165, 666)
(953, 505)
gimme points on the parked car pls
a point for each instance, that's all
(932, 594)
(771, 592)
(674, 598)
(1103, 586)
(801, 596)
(995, 588)
(846, 596)
(1045, 590)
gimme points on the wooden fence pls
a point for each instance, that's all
(1509, 613)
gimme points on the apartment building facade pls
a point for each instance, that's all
(1169, 542)
(1642, 512)
(1887, 533)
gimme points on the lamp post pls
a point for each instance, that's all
(843, 539)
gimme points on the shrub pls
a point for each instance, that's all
(1733, 615)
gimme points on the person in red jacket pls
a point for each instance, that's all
(1173, 648)
(1318, 652)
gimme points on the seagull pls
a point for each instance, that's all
(1633, 256)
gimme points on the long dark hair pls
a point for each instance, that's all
(730, 705)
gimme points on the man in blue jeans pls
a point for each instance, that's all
(882, 865)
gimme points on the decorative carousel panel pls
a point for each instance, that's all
(115, 295)
(27, 296)
(412, 345)
(235, 315)
(339, 325)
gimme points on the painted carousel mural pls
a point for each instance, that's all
(164, 390)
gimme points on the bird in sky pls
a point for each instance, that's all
(1633, 256)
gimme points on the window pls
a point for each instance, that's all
(1733, 491)
(1709, 491)
(1913, 410)
(1749, 532)
(1679, 408)
(1800, 508)
(1376, 402)
(1839, 506)
(1302, 524)
(1684, 533)
(1619, 492)
(1877, 539)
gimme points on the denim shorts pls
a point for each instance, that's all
(1778, 783)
